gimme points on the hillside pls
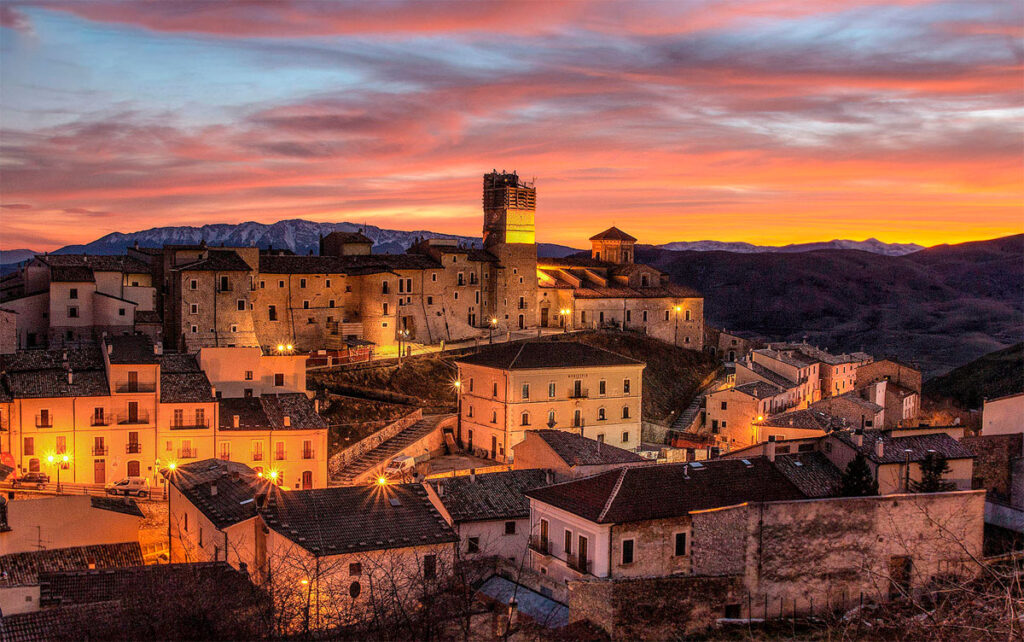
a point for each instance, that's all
(940, 307)
(671, 378)
(995, 375)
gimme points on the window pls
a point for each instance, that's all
(193, 309)
(384, 287)
(625, 412)
(551, 390)
(680, 544)
(224, 285)
(385, 307)
(625, 437)
(473, 545)
(723, 423)
(666, 315)
(494, 417)
(687, 316)
(280, 284)
(73, 293)
(627, 551)
(279, 451)
(194, 329)
(279, 379)
(429, 566)
(510, 528)
(551, 418)
(567, 543)
(355, 569)
(272, 313)
(600, 414)
(430, 300)
(494, 390)
(241, 305)
(200, 417)
(577, 419)
(645, 316)
(714, 426)
(629, 316)
(526, 391)
(725, 405)
(305, 305)
(179, 418)
(120, 312)
(469, 413)
(625, 386)
(257, 451)
(248, 375)
(526, 419)
(225, 450)
(327, 283)
(263, 285)
(600, 437)
(330, 303)
(29, 446)
(72, 312)
(433, 277)
(302, 283)
(193, 284)
(602, 386)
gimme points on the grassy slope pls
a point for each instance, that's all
(994, 375)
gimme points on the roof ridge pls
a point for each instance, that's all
(613, 494)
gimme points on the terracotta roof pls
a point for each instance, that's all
(185, 387)
(23, 568)
(54, 623)
(237, 487)
(576, 450)
(175, 362)
(489, 496)
(125, 505)
(349, 237)
(807, 418)
(612, 234)
(617, 291)
(474, 254)
(216, 261)
(131, 349)
(545, 354)
(50, 378)
(97, 262)
(811, 472)
(273, 264)
(657, 491)
(783, 382)
(72, 274)
(898, 390)
(103, 585)
(893, 448)
(577, 261)
(856, 399)
(350, 519)
(268, 412)
(758, 389)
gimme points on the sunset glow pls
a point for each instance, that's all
(761, 121)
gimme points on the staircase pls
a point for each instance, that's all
(687, 417)
(369, 462)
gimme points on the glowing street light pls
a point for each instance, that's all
(679, 309)
(382, 481)
(61, 461)
(491, 324)
(564, 313)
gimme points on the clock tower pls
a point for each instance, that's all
(509, 208)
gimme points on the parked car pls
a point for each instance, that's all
(32, 479)
(137, 486)
(400, 467)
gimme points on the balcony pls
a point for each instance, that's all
(279, 455)
(100, 451)
(101, 420)
(582, 393)
(133, 448)
(307, 453)
(577, 564)
(133, 418)
(188, 453)
(539, 544)
(44, 421)
(257, 456)
(135, 387)
(192, 425)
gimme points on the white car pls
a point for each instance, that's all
(399, 467)
(137, 486)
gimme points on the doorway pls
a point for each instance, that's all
(99, 472)
(544, 317)
(307, 479)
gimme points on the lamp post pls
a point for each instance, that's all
(491, 325)
(457, 384)
(61, 461)
(679, 309)
(564, 312)
(402, 334)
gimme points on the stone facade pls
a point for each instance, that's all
(993, 467)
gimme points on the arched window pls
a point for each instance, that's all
(526, 419)
(600, 414)
(551, 418)
(687, 315)
(469, 413)
(625, 412)
(494, 417)
(577, 418)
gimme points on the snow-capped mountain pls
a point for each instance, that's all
(16, 256)
(297, 235)
(870, 245)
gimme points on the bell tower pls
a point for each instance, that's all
(509, 209)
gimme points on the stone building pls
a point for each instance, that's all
(508, 389)
(568, 455)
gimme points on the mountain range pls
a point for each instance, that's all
(302, 237)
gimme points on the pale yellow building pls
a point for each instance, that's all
(508, 389)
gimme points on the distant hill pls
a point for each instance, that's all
(996, 374)
(15, 256)
(297, 235)
(871, 245)
(941, 307)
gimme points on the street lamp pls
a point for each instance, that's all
(401, 334)
(62, 462)
(564, 313)
(493, 323)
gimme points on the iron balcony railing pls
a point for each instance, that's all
(100, 451)
(578, 564)
(44, 421)
(539, 544)
(190, 425)
(188, 453)
(307, 453)
(133, 448)
(136, 387)
(127, 418)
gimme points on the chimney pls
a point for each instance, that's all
(158, 348)
(549, 476)
(71, 378)
(261, 501)
(287, 421)
(316, 406)
(769, 448)
(440, 489)
(858, 437)
(213, 391)
(472, 475)
(234, 421)
(879, 448)
(213, 489)
(110, 349)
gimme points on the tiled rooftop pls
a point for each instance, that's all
(237, 487)
(576, 450)
(124, 505)
(488, 496)
(807, 418)
(893, 448)
(269, 411)
(132, 349)
(541, 354)
(185, 387)
(350, 519)
(612, 234)
(811, 472)
(659, 491)
(759, 389)
(217, 261)
(24, 568)
(97, 262)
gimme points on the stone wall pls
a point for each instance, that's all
(345, 457)
(717, 542)
(993, 467)
(654, 608)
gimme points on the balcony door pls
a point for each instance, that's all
(99, 472)
(307, 479)
(133, 381)
(581, 554)
(133, 410)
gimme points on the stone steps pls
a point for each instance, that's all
(379, 456)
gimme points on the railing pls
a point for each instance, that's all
(539, 544)
(105, 420)
(100, 451)
(127, 418)
(577, 564)
(133, 448)
(44, 421)
(257, 456)
(307, 453)
(188, 453)
(225, 456)
(192, 425)
(583, 393)
(279, 455)
(138, 387)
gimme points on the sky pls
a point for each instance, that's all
(765, 121)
